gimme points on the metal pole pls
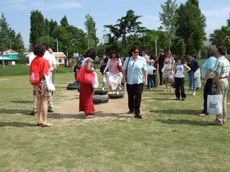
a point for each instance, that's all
(156, 45)
(57, 44)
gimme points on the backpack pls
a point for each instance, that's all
(35, 78)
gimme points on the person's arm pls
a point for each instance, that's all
(208, 73)
(89, 66)
(107, 66)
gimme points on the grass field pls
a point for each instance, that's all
(171, 137)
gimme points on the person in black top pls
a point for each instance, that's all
(161, 64)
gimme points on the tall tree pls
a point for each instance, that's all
(191, 26)
(37, 27)
(168, 19)
(64, 22)
(91, 32)
(127, 25)
(8, 37)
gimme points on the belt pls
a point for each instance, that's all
(225, 77)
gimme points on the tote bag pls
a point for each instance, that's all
(49, 83)
(84, 76)
(215, 104)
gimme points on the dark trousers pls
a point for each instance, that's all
(207, 91)
(155, 80)
(161, 75)
(179, 85)
(134, 97)
(150, 81)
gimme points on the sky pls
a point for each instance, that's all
(104, 12)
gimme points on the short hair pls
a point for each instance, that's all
(211, 51)
(46, 45)
(133, 48)
(222, 50)
(113, 52)
(39, 49)
(91, 53)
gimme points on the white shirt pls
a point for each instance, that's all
(51, 59)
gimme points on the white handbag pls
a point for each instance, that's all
(215, 104)
(49, 83)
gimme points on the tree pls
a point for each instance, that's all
(221, 37)
(126, 26)
(37, 27)
(191, 25)
(91, 32)
(168, 19)
(8, 37)
(64, 22)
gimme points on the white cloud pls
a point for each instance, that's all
(40, 4)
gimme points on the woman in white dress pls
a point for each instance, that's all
(114, 73)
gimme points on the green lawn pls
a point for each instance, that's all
(171, 137)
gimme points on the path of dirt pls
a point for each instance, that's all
(69, 106)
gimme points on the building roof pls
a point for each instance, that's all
(59, 55)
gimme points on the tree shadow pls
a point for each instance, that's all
(16, 124)
(183, 121)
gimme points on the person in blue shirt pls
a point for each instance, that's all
(135, 77)
(207, 77)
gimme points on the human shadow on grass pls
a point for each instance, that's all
(158, 98)
(16, 124)
(183, 121)
(14, 111)
(22, 101)
(175, 112)
(99, 114)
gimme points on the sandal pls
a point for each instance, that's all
(39, 123)
(47, 125)
(89, 116)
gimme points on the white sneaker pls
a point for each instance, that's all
(194, 93)
(103, 89)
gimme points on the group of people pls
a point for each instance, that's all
(138, 71)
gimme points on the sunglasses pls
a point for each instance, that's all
(136, 52)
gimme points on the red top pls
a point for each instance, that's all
(39, 65)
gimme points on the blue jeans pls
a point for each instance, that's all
(192, 81)
(150, 81)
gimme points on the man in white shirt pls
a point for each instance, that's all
(52, 61)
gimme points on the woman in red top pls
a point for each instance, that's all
(86, 90)
(41, 66)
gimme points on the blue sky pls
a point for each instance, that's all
(104, 12)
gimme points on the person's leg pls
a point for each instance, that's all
(50, 103)
(177, 85)
(183, 95)
(138, 95)
(207, 91)
(44, 108)
(130, 90)
(34, 108)
(39, 110)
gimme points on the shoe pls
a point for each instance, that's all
(194, 93)
(129, 112)
(183, 99)
(177, 99)
(46, 125)
(39, 124)
(202, 115)
(138, 116)
(33, 112)
(50, 110)
(103, 89)
(217, 122)
(117, 92)
(89, 116)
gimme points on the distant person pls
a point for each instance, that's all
(221, 71)
(135, 77)
(179, 79)
(78, 66)
(207, 77)
(155, 70)
(168, 74)
(161, 60)
(53, 67)
(41, 65)
(113, 75)
(86, 90)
